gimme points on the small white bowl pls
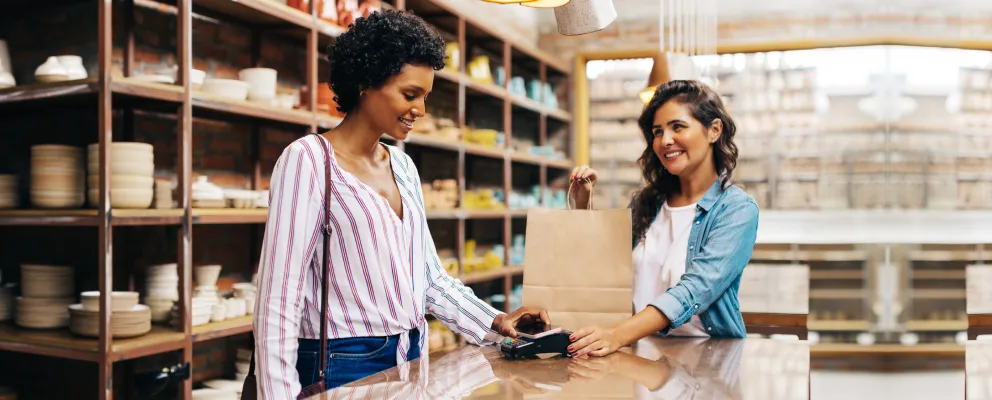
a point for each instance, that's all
(207, 275)
(226, 88)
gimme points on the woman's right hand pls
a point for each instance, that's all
(584, 178)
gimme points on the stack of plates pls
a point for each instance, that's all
(56, 176)
(119, 301)
(8, 191)
(242, 364)
(42, 313)
(6, 301)
(132, 166)
(130, 323)
(162, 284)
(201, 312)
(163, 194)
(47, 281)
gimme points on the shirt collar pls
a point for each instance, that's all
(712, 194)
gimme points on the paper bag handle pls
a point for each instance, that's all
(568, 197)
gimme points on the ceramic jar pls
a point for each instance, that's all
(51, 71)
(73, 66)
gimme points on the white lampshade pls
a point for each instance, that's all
(504, 1)
(580, 17)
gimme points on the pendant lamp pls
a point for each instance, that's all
(659, 75)
(545, 3)
(580, 17)
(504, 1)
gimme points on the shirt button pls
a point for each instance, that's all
(710, 328)
(697, 222)
(695, 306)
(691, 247)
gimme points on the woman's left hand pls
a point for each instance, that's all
(594, 341)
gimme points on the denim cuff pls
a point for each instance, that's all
(669, 305)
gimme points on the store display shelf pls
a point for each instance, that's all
(262, 12)
(836, 274)
(837, 326)
(487, 276)
(217, 330)
(211, 102)
(936, 325)
(230, 215)
(484, 151)
(937, 274)
(950, 255)
(63, 344)
(836, 294)
(938, 294)
(89, 217)
(503, 94)
(980, 320)
(919, 350)
(129, 87)
(809, 255)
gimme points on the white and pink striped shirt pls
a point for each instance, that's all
(384, 270)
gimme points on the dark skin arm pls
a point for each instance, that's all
(506, 324)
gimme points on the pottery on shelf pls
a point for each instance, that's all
(262, 83)
(73, 66)
(6, 80)
(51, 71)
(4, 57)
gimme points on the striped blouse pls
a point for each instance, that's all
(384, 270)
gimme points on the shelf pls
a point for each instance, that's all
(810, 255)
(837, 274)
(273, 14)
(938, 294)
(486, 276)
(129, 87)
(483, 151)
(503, 94)
(837, 326)
(209, 101)
(836, 294)
(230, 215)
(61, 343)
(936, 326)
(917, 350)
(217, 330)
(934, 274)
(89, 217)
(949, 255)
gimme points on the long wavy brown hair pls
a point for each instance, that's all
(705, 106)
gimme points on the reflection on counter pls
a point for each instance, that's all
(654, 369)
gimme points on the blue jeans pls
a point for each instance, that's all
(351, 359)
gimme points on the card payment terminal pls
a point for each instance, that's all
(538, 340)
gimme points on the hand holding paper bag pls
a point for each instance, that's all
(579, 266)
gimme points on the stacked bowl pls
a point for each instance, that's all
(56, 176)
(162, 285)
(247, 291)
(8, 191)
(127, 317)
(46, 293)
(132, 169)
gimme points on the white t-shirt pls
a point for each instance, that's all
(659, 261)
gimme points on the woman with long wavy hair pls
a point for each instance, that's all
(693, 231)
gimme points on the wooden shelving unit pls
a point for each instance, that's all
(936, 288)
(107, 92)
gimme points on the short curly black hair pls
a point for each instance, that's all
(375, 48)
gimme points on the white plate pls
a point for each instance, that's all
(224, 384)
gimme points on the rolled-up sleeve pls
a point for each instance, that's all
(287, 249)
(722, 258)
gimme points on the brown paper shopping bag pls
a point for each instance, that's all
(578, 265)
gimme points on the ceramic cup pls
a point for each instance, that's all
(74, 66)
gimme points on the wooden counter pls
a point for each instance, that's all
(668, 368)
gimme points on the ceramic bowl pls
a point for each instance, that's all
(119, 301)
(125, 168)
(226, 88)
(206, 275)
(123, 182)
(262, 81)
(124, 198)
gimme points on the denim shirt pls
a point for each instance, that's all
(720, 245)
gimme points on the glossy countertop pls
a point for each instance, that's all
(654, 368)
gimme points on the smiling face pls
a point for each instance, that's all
(683, 144)
(400, 101)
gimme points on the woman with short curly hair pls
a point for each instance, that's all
(383, 271)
